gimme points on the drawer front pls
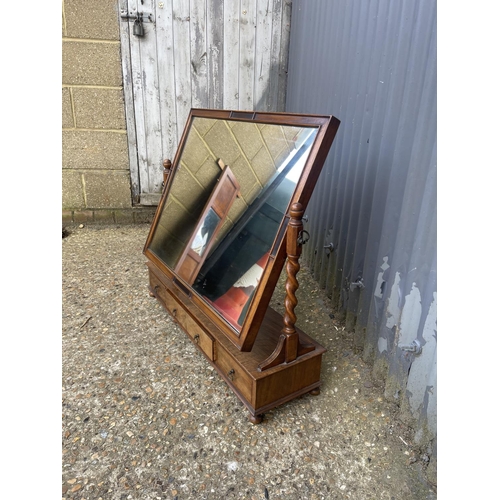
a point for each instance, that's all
(199, 336)
(157, 287)
(182, 317)
(235, 373)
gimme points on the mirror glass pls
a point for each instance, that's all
(231, 189)
(205, 232)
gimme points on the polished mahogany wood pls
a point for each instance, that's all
(167, 168)
(269, 360)
(260, 391)
(289, 346)
(326, 128)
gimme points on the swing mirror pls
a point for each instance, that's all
(219, 229)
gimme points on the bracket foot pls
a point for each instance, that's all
(255, 419)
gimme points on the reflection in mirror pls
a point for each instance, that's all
(210, 222)
(205, 232)
(266, 161)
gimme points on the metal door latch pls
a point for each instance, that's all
(303, 237)
(138, 29)
(143, 17)
(415, 347)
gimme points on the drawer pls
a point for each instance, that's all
(182, 317)
(238, 377)
(157, 287)
(198, 335)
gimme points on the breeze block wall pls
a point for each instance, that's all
(254, 153)
(95, 163)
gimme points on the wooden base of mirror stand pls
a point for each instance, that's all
(259, 390)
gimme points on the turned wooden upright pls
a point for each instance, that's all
(167, 168)
(289, 347)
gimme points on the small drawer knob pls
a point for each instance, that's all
(230, 374)
(196, 338)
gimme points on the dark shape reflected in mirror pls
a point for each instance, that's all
(223, 215)
(233, 302)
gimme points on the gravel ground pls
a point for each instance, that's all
(146, 417)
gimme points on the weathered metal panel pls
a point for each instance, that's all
(196, 53)
(372, 64)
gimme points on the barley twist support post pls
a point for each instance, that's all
(289, 346)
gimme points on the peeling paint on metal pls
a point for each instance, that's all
(424, 365)
(380, 280)
(410, 317)
(382, 344)
(377, 191)
(393, 311)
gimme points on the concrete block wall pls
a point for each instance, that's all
(95, 163)
(253, 151)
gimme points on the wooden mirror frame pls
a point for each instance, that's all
(327, 127)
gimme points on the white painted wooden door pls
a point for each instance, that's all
(224, 54)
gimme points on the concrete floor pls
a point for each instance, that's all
(146, 417)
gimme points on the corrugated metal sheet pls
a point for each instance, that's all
(372, 64)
